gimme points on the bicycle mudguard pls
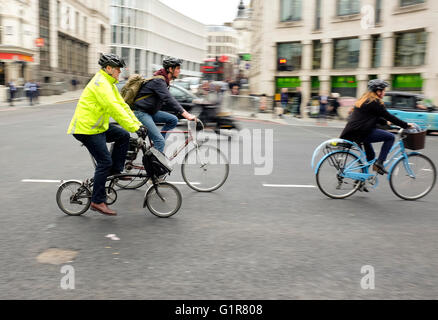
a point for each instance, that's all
(395, 162)
(330, 143)
(328, 155)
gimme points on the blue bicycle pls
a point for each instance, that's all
(343, 170)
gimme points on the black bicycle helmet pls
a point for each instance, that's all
(377, 84)
(111, 59)
(170, 62)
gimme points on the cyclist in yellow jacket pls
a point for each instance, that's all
(99, 101)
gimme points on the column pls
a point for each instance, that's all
(307, 55)
(327, 55)
(388, 51)
(306, 90)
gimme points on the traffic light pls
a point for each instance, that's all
(282, 65)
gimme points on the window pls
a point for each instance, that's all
(346, 53)
(102, 34)
(378, 13)
(291, 52)
(410, 49)
(290, 10)
(377, 51)
(114, 34)
(137, 60)
(318, 15)
(85, 26)
(404, 3)
(125, 55)
(317, 54)
(44, 29)
(77, 22)
(346, 7)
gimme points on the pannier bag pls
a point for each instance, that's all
(156, 163)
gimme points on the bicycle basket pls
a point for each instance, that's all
(156, 163)
(415, 141)
(132, 150)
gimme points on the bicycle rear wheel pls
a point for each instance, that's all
(414, 178)
(163, 200)
(329, 179)
(205, 168)
(73, 198)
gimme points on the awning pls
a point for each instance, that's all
(15, 57)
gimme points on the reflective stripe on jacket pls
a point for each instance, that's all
(99, 101)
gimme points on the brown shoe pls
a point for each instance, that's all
(103, 208)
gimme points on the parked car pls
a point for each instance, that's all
(412, 107)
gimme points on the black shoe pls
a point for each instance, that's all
(379, 167)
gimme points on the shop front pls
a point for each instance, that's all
(289, 83)
(407, 82)
(14, 66)
(346, 86)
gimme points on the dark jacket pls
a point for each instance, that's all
(364, 119)
(160, 96)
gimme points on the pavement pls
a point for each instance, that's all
(69, 96)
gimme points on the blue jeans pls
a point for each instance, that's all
(107, 163)
(378, 135)
(170, 121)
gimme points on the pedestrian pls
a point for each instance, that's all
(235, 90)
(284, 100)
(298, 101)
(12, 91)
(74, 83)
(334, 104)
(31, 90)
(323, 103)
(263, 103)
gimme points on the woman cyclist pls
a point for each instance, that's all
(369, 111)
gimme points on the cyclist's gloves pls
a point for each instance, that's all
(142, 132)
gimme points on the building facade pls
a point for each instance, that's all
(18, 31)
(339, 45)
(75, 33)
(242, 25)
(144, 32)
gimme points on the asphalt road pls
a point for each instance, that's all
(244, 241)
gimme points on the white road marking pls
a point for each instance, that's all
(183, 183)
(287, 186)
(41, 181)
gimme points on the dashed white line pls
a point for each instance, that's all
(287, 186)
(41, 181)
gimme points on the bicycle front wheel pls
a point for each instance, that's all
(163, 200)
(205, 168)
(329, 176)
(73, 198)
(414, 178)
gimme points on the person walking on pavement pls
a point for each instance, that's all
(298, 101)
(12, 91)
(284, 99)
(31, 90)
(323, 103)
(99, 101)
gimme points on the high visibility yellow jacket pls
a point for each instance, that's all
(99, 101)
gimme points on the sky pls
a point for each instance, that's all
(212, 12)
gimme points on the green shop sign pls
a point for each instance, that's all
(316, 84)
(246, 57)
(407, 81)
(344, 82)
(291, 82)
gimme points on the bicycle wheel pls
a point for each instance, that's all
(329, 179)
(205, 168)
(414, 178)
(73, 198)
(163, 200)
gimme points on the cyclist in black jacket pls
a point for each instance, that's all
(368, 111)
(150, 98)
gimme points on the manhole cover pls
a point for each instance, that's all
(57, 256)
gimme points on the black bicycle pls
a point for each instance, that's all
(162, 199)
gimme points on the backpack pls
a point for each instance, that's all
(132, 86)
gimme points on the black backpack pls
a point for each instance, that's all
(156, 163)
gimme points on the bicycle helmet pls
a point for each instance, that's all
(377, 84)
(110, 59)
(170, 62)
